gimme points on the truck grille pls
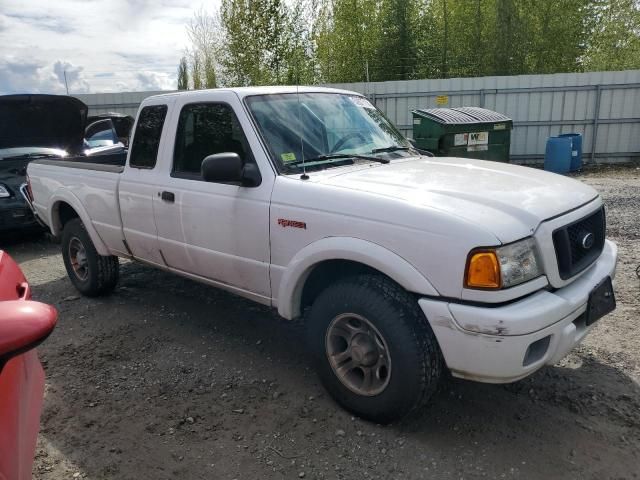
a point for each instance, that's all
(578, 244)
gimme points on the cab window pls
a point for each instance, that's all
(146, 140)
(205, 129)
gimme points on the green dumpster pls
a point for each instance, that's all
(469, 132)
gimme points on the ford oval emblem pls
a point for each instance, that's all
(587, 241)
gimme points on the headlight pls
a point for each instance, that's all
(503, 267)
(4, 192)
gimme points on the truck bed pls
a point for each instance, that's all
(82, 163)
(91, 189)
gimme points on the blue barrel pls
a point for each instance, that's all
(576, 150)
(557, 155)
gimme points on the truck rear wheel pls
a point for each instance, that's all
(91, 273)
(374, 351)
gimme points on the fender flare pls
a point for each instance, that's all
(65, 196)
(345, 248)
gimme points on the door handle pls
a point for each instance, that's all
(168, 196)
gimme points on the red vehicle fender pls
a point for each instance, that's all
(23, 325)
(13, 285)
(21, 391)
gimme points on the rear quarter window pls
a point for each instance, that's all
(146, 139)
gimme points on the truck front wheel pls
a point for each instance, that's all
(91, 273)
(374, 351)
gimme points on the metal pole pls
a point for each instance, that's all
(366, 67)
(446, 40)
(65, 82)
(596, 117)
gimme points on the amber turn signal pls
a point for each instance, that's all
(483, 270)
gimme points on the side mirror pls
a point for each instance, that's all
(228, 168)
(24, 324)
(222, 167)
(251, 175)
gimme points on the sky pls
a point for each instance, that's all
(102, 45)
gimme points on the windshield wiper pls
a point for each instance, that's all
(391, 148)
(322, 159)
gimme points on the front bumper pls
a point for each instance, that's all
(15, 215)
(504, 344)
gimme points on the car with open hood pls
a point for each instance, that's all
(43, 126)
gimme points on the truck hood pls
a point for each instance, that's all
(54, 121)
(507, 200)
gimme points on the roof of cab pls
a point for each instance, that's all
(248, 91)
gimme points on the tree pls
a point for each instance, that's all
(614, 35)
(396, 39)
(196, 72)
(210, 78)
(510, 39)
(258, 42)
(300, 55)
(347, 39)
(183, 74)
(255, 41)
(204, 34)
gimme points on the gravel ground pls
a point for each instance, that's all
(171, 379)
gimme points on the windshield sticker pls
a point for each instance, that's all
(288, 157)
(361, 102)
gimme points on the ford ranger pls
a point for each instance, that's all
(310, 201)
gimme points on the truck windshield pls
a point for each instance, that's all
(324, 129)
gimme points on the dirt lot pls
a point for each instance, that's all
(170, 379)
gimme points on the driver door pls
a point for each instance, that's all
(216, 231)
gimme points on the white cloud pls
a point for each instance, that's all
(22, 76)
(4, 22)
(154, 81)
(71, 76)
(104, 45)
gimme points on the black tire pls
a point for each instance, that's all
(100, 273)
(415, 365)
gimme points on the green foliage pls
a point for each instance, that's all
(265, 42)
(183, 74)
(397, 37)
(196, 72)
(347, 40)
(209, 71)
(258, 42)
(614, 40)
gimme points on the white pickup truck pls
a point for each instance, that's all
(308, 200)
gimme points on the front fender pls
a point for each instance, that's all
(65, 196)
(345, 248)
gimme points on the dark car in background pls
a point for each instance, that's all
(33, 126)
(120, 123)
(46, 126)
